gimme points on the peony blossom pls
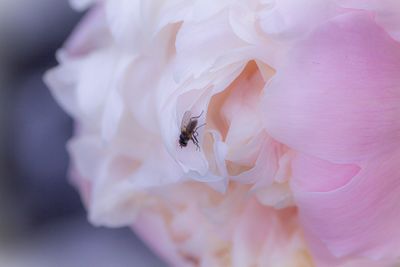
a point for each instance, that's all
(298, 107)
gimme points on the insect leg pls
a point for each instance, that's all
(197, 116)
(196, 142)
(195, 138)
(197, 147)
(200, 126)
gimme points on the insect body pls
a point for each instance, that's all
(189, 129)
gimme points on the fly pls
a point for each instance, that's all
(189, 129)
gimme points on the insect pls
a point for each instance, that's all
(189, 129)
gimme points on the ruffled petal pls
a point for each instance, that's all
(134, 23)
(141, 93)
(286, 19)
(121, 174)
(193, 95)
(244, 18)
(200, 44)
(81, 87)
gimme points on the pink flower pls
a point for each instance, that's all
(296, 164)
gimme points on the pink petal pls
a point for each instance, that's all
(328, 176)
(387, 13)
(338, 95)
(359, 218)
(337, 101)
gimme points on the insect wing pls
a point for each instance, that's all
(185, 120)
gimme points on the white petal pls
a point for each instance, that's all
(289, 19)
(112, 115)
(209, 39)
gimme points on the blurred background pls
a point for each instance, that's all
(42, 220)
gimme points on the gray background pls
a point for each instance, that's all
(42, 221)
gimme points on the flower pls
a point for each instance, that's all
(297, 108)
